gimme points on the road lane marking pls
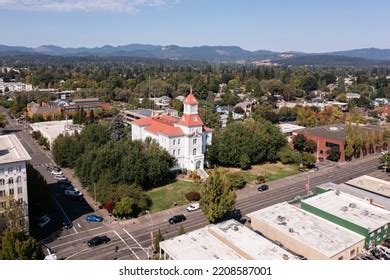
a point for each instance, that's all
(76, 240)
(136, 241)
(88, 230)
(78, 224)
(64, 213)
(127, 245)
(75, 254)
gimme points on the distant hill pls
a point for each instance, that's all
(371, 53)
(231, 54)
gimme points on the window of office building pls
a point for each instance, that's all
(10, 169)
(11, 191)
(2, 193)
(2, 182)
(20, 190)
(193, 141)
(10, 181)
(18, 168)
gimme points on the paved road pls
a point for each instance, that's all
(133, 237)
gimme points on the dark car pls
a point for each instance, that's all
(98, 240)
(177, 219)
(67, 224)
(262, 188)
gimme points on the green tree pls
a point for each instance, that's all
(245, 162)
(17, 246)
(299, 142)
(306, 117)
(124, 208)
(334, 153)
(236, 179)
(117, 128)
(157, 239)
(288, 156)
(217, 196)
(67, 150)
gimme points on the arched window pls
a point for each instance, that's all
(2, 182)
(10, 181)
(18, 179)
(194, 152)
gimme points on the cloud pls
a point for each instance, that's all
(115, 6)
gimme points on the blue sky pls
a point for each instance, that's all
(299, 25)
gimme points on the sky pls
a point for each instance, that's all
(289, 25)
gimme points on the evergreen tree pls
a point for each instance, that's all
(117, 128)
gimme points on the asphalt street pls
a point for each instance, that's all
(131, 239)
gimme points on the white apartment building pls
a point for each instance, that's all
(13, 173)
(185, 138)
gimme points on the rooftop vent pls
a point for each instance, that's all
(193, 238)
(235, 228)
(285, 257)
(337, 192)
(281, 218)
(365, 213)
(352, 205)
(204, 247)
(344, 208)
(291, 230)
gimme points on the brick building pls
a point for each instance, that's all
(328, 136)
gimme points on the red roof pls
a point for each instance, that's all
(161, 125)
(191, 99)
(190, 120)
(208, 129)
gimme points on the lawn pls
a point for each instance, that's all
(165, 197)
(271, 171)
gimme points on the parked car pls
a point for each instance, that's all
(368, 258)
(193, 207)
(43, 221)
(60, 178)
(55, 172)
(66, 185)
(73, 192)
(98, 240)
(94, 218)
(177, 219)
(53, 167)
(262, 188)
(67, 224)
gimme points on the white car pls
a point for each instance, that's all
(73, 192)
(60, 178)
(54, 172)
(43, 221)
(193, 207)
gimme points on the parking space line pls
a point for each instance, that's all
(63, 212)
(77, 240)
(135, 241)
(127, 245)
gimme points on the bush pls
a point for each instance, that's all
(192, 196)
(245, 162)
(260, 179)
(288, 156)
(236, 180)
(194, 176)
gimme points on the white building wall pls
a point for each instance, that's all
(13, 183)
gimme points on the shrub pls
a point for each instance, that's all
(192, 196)
(236, 180)
(245, 162)
(287, 156)
(260, 179)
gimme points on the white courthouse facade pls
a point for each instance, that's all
(185, 138)
(13, 174)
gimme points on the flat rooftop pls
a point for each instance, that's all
(320, 234)
(53, 129)
(336, 131)
(350, 208)
(11, 150)
(229, 240)
(371, 184)
(377, 200)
